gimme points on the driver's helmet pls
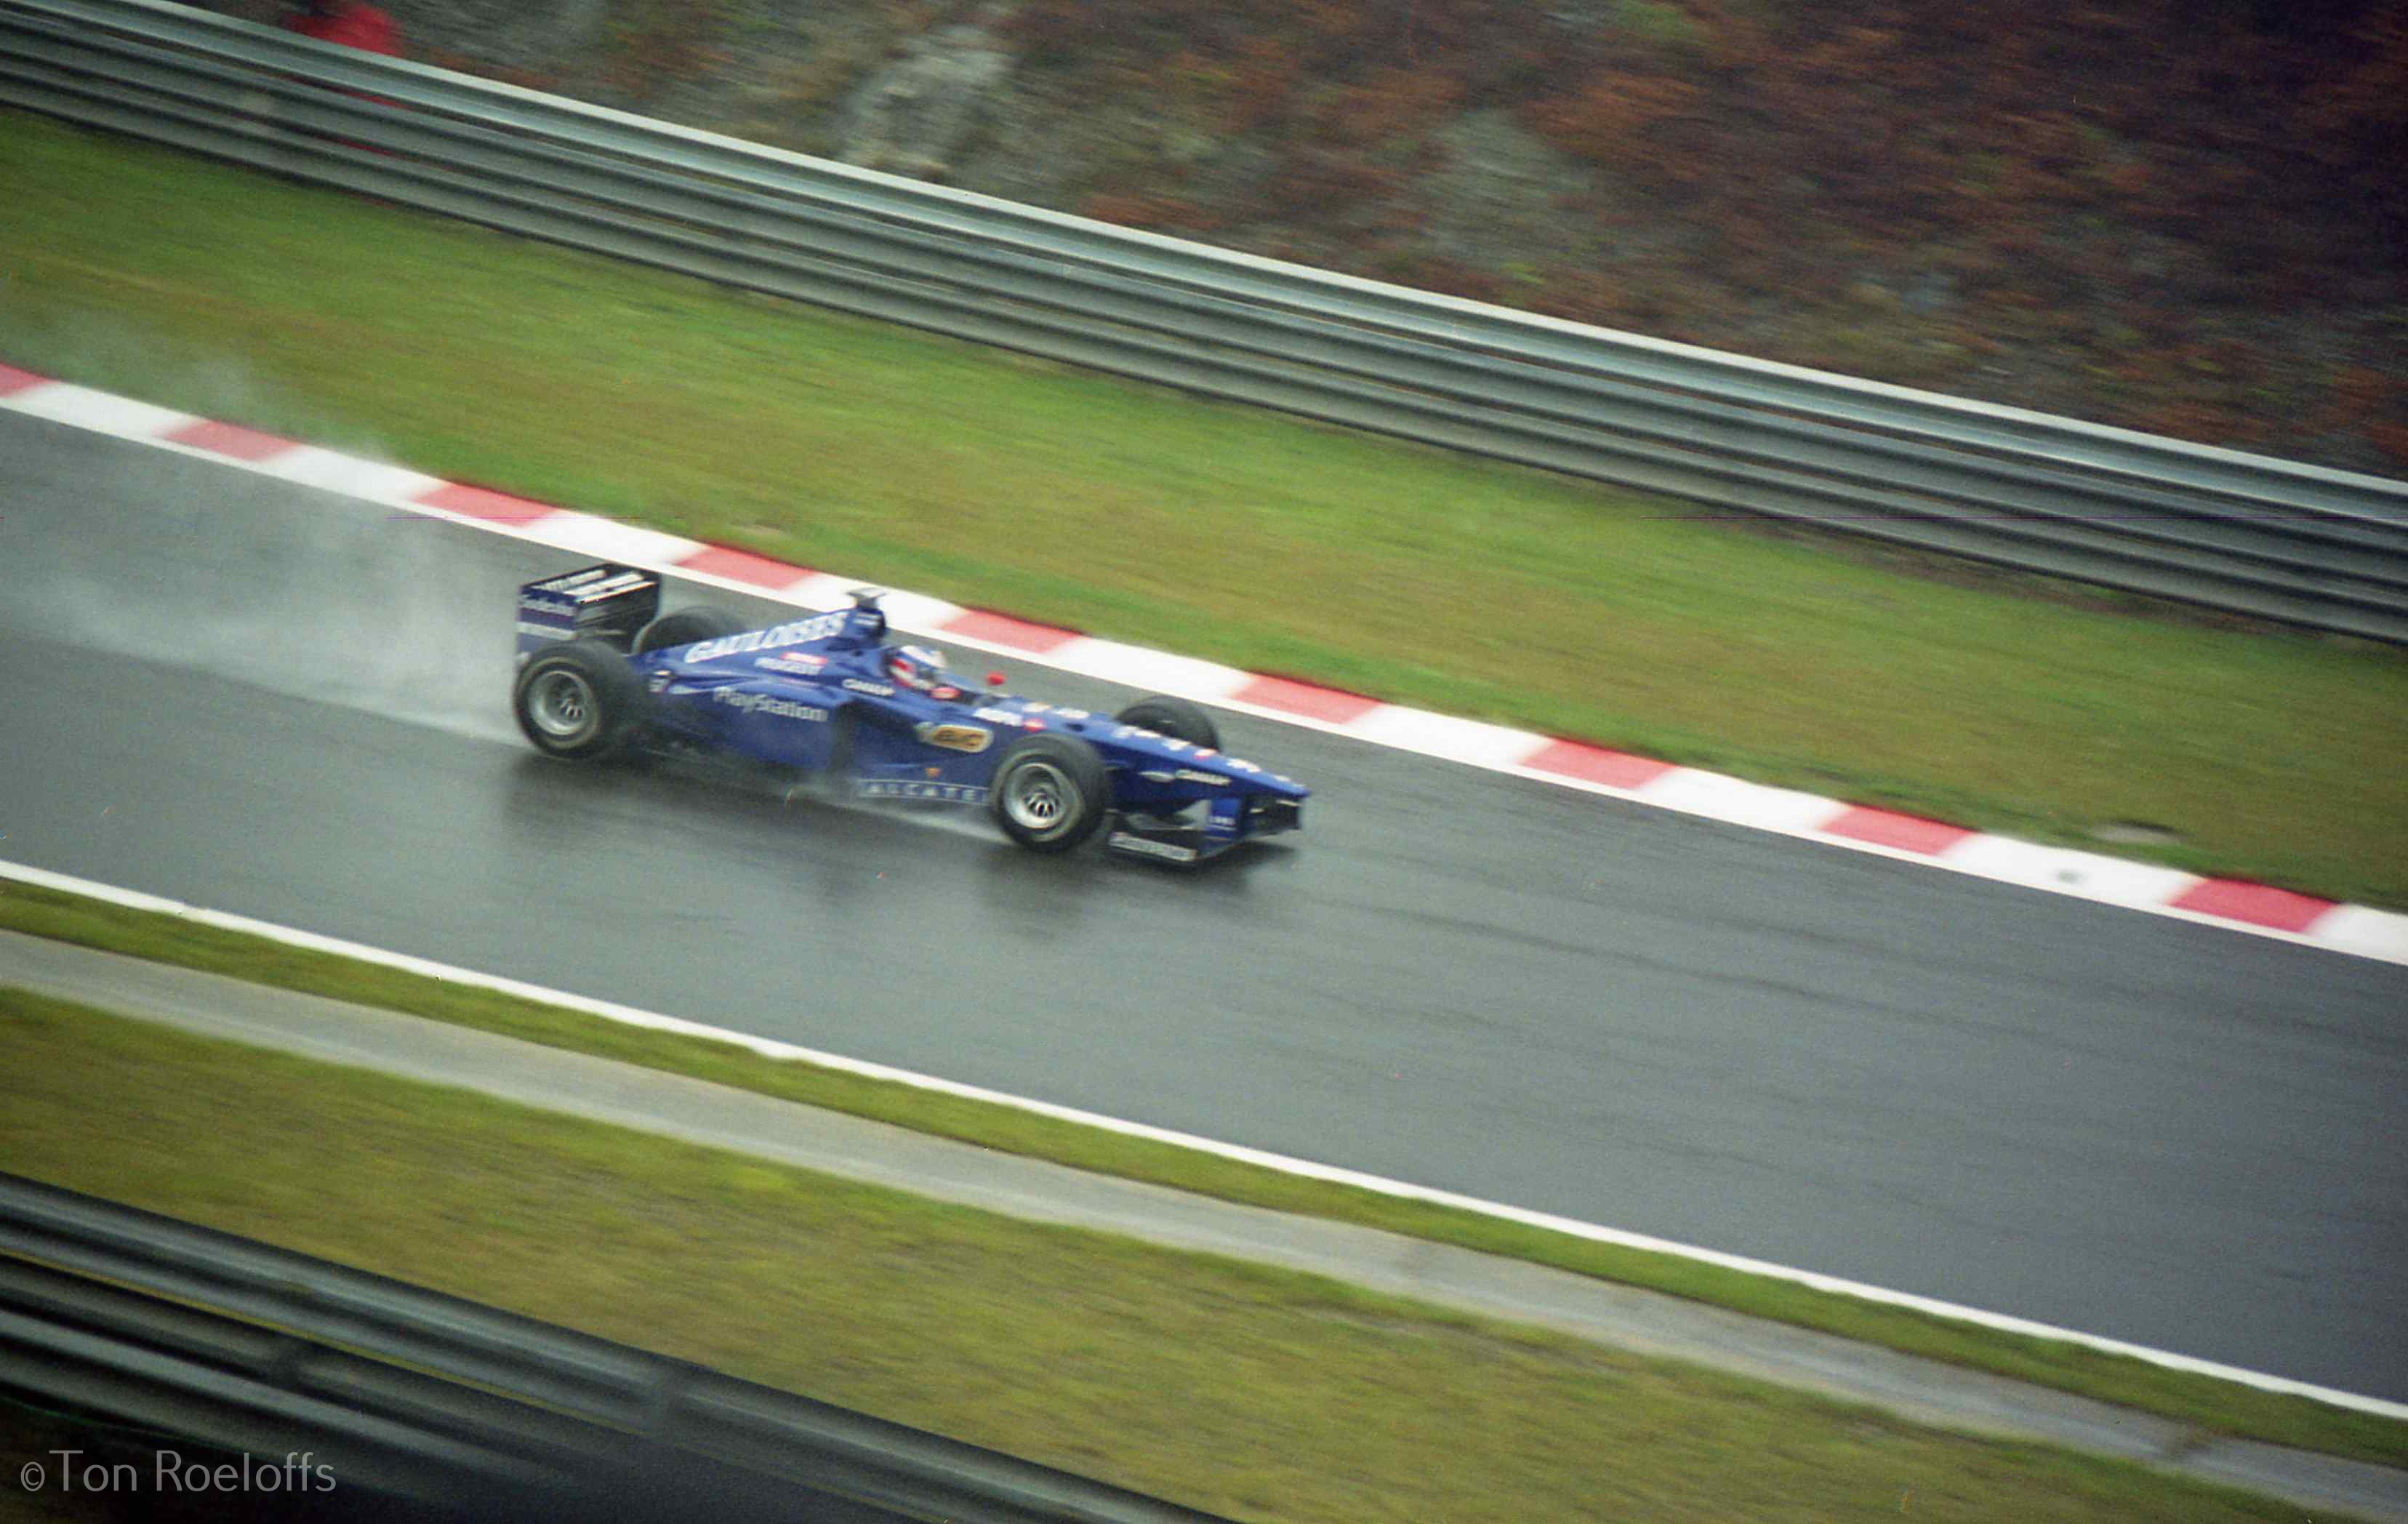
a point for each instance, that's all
(917, 666)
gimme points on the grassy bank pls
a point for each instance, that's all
(1253, 1392)
(1423, 578)
(2212, 1406)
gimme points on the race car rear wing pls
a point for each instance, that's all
(605, 602)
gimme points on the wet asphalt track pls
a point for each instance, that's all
(247, 695)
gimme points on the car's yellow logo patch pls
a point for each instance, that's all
(957, 738)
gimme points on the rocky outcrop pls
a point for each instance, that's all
(917, 115)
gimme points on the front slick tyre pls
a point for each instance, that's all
(577, 701)
(1050, 792)
(1174, 718)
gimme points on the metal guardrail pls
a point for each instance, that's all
(2245, 534)
(155, 1323)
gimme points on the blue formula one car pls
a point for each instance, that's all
(601, 671)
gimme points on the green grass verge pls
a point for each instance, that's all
(1220, 531)
(1248, 1391)
(2210, 1406)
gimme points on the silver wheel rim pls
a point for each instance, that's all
(1039, 798)
(561, 703)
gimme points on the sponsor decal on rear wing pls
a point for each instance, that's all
(606, 601)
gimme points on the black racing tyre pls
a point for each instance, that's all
(1174, 718)
(687, 625)
(578, 700)
(1050, 792)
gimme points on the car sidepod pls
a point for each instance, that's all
(778, 717)
(791, 723)
(907, 747)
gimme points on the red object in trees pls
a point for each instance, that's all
(351, 24)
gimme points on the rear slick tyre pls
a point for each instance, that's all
(686, 626)
(577, 701)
